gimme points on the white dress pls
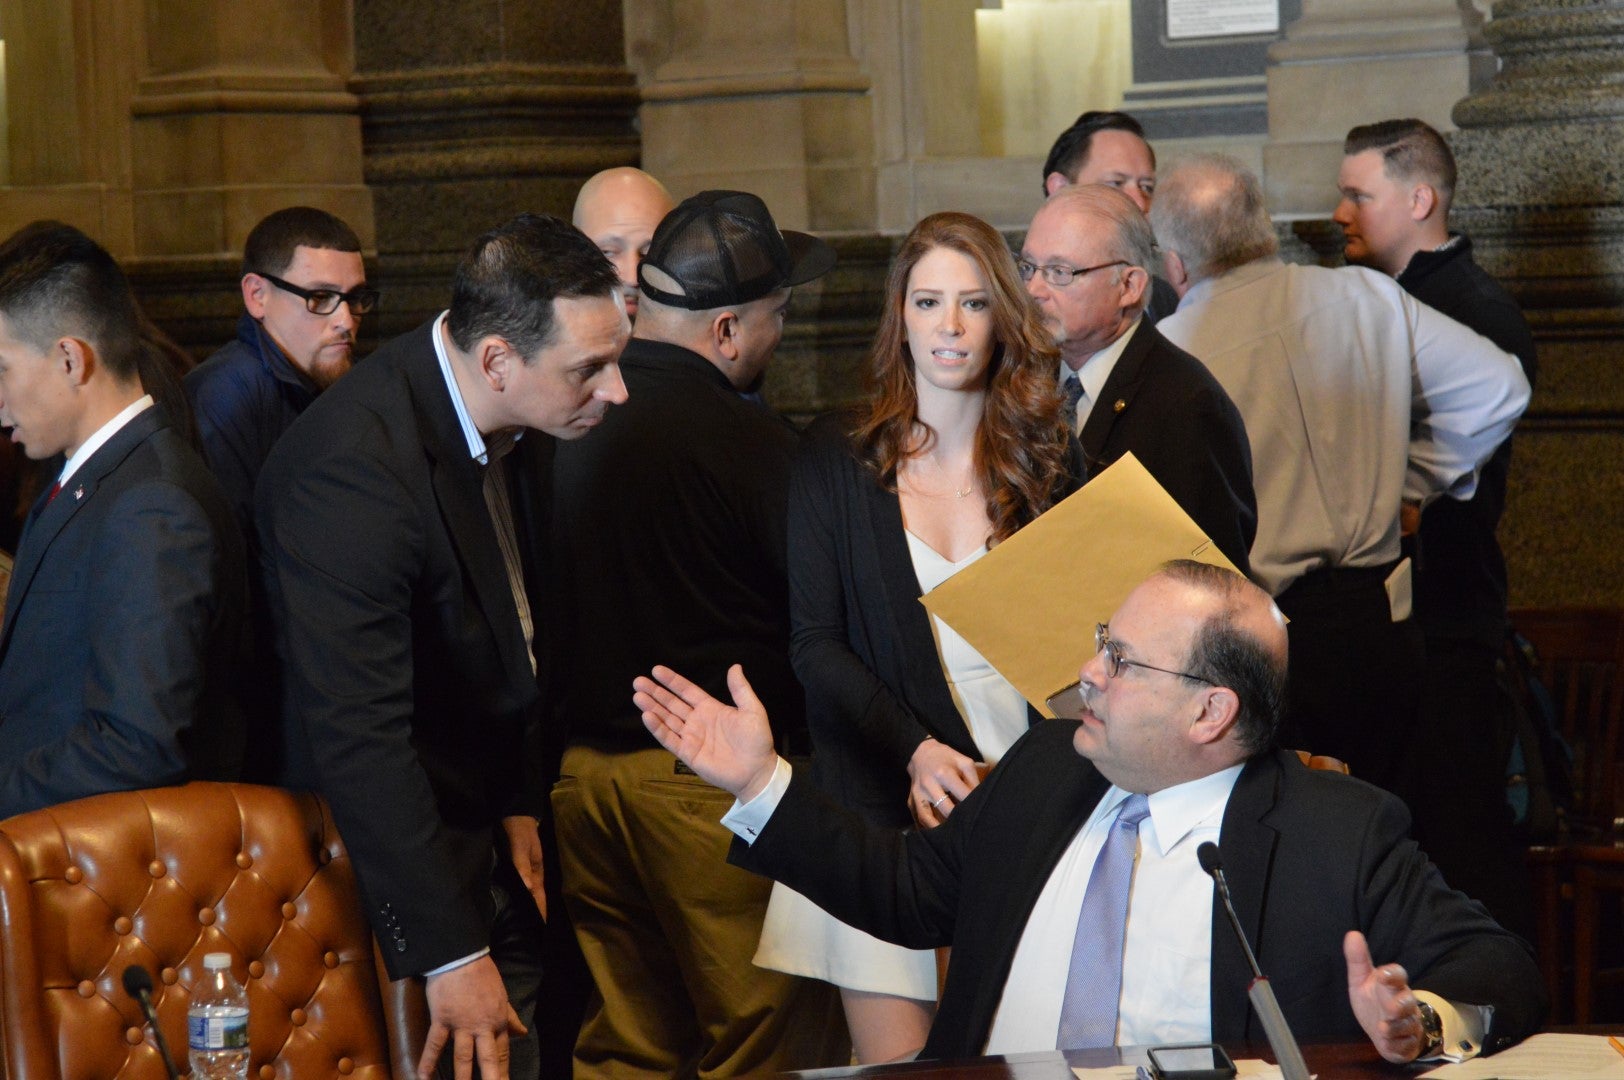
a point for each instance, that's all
(800, 938)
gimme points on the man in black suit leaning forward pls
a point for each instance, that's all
(1176, 741)
(403, 561)
(127, 595)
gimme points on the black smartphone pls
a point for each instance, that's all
(1191, 1061)
(1067, 704)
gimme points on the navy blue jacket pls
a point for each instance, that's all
(245, 396)
(122, 628)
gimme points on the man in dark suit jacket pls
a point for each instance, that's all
(1182, 697)
(1086, 262)
(126, 600)
(404, 564)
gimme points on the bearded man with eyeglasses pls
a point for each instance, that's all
(1086, 262)
(304, 289)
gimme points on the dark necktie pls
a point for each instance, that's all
(1072, 392)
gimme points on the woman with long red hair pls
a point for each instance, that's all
(959, 444)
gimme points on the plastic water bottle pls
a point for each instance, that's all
(217, 1023)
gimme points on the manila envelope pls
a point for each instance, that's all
(1030, 604)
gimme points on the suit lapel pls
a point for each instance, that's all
(918, 656)
(458, 482)
(45, 526)
(1247, 844)
(1121, 388)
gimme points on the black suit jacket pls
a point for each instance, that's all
(407, 690)
(122, 628)
(1309, 856)
(1164, 405)
(860, 640)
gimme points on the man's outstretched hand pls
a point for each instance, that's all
(730, 746)
(1383, 1002)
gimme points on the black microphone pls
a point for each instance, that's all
(138, 984)
(1287, 1053)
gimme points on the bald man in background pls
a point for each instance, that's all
(619, 208)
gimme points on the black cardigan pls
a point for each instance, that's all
(861, 641)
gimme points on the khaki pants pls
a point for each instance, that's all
(668, 929)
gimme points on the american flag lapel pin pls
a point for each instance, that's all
(79, 492)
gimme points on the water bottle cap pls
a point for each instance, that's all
(214, 961)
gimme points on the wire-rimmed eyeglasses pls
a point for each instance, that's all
(1059, 274)
(1115, 662)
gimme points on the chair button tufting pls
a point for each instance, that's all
(267, 1072)
(330, 958)
(73, 875)
(297, 1018)
(324, 856)
(122, 925)
(206, 916)
(345, 1066)
(87, 988)
(133, 1036)
(169, 976)
(157, 869)
(289, 910)
(256, 969)
(244, 860)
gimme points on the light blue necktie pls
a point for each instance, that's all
(1088, 1016)
(1072, 392)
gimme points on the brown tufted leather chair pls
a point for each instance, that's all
(160, 878)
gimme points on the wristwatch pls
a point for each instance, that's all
(1432, 1031)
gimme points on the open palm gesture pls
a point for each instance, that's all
(730, 746)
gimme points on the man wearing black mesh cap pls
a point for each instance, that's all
(672, 537)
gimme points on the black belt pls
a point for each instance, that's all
(1337, 579)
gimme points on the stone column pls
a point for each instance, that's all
(1542, 194)
(475, 111)
(765, 96)
(229, 113)
(1348, 62)
(239, 112)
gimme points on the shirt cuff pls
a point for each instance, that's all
(455, 964)
(746, 820)
(1464, 1027)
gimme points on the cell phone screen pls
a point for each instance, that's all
(1204, 1060)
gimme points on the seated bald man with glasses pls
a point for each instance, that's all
(1068, 883)
(304, 289)
(1087, 261)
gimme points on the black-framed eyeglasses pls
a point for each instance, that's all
(325, 301)
(1059, 274)
(1114, 661)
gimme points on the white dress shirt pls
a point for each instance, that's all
(103, 433)
(1095, 370)
(1167, 957)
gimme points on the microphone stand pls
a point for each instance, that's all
(1287, 1053)
(138, 984)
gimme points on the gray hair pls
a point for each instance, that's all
(1130, 238)
(1209, 209)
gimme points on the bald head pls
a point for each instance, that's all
(619, 209)
(1210, 218)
